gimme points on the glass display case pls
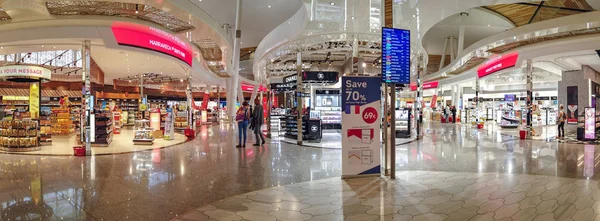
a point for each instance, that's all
(403, 117)
(143, 133)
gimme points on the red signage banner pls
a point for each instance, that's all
(205, 101)
(150, 38)
(426, 85)
(248, 87)
(497, 64)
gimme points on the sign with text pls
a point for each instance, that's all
(151, 38)
(361, 120)
(395, 56)
(497, 64)
(25, 71)
(426, 85)
(327, 77)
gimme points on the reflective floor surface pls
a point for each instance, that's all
(153, 185)
(416, 196)
(163, 184)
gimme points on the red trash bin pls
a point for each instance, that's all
(189, 133)
(479, 126)
(522, 134)
(443, 120)
(79, 151)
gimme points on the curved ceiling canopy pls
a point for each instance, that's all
(118, 9)
(524, 13)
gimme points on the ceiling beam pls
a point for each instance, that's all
(555, 7)
(537, 10)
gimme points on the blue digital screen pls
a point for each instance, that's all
(395, 56)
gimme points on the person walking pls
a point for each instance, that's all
(561, 122)
(257, 120)
(242, 116)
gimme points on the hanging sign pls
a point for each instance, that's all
(151, 38)
(426, 85)
(497, 64)
(25, 71)
(205, 101)
(361, 119)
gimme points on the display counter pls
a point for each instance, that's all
(311, 129)
(403, 117)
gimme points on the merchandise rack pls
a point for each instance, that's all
(104, 129)
(61, 122)
(45, 125)
(19, 135)
(181, 120)
(143, 135)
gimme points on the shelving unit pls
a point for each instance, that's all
(19, 135)
(292, 130)
(181, 120)
(45, 125)
(61, 122)
(331, 119)
(403, 123)
(104, 128)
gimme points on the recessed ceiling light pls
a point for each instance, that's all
(42, 46)
(269, 6)
(353, 17)
(332, 3)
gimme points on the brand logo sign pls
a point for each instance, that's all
(426, 85)
(23, 71)
(146, 37)
(497, 64)
(314, 128)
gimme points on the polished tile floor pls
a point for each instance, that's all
(482, 170)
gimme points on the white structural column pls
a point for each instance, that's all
(444, 52)
(452, 49)
(254, 93)
(299, 91)
(190, 101)
(529, 76)
(461, 40)
(476, 100)
(234, 84)
(419, 99)
(87, 96)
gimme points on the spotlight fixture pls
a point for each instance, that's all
(332, 3)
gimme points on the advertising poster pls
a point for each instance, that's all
(590, 123)
(572, 100)
(169, 127)
(361, 119)
(34, 100)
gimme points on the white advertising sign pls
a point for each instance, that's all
(25, 72)
(361, 120)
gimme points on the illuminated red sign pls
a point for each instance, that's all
(426, 85)
(247, 87)
(146, 37)
(497, 64)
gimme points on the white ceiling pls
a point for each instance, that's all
(479, 24)
(574, 60)
(123, 63)
(259, 17)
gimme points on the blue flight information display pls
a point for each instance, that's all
(395, 55)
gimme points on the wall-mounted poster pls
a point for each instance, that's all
(572, 100)
(590, 123)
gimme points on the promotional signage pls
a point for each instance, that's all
(497, 64)
(34, 100)
(498, 99)
(361, 119)
(572, 101)
(426, 85)
(590, 123)
(169, 127)
(151, 38)
(205, 101)
(395, 54)
(542, 98)
(24, 71)
(320, 77)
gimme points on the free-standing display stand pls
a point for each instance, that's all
(143, 134)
